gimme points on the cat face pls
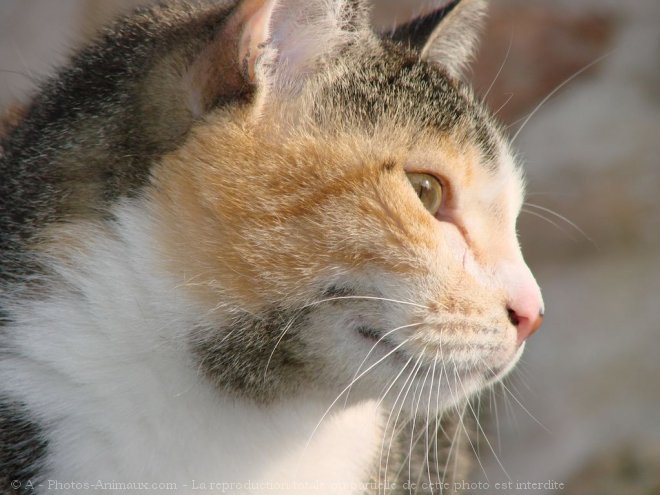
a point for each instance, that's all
(354, 222)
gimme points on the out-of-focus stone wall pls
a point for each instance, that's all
(591, 376)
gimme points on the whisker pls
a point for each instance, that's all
(554, 91)
(478, 416)
(438, 427)
(287, 327)
(506, 57)
(458, 442)
(374, 298)
(520, 376)
(19, 53)
(19, 73)
(383, 395)
(374, 346)
(503, 105)
(349, 386)
(550, 193)
(416, 369)
(412, 433)
(562, 217)
(389, 418)
(522, 406)
(454, 442)
(414, 441)
(497, 419)
(428, 415)
(508, 408)
(479, 427)
(467, 433)
(551, 222)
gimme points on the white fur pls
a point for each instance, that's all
(103, 362)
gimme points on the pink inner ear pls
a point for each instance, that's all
(255, 33)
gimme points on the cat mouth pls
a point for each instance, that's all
(379, 343)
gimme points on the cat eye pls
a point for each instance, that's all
(428, 189)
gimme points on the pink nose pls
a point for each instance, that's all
(527, 316)
(525, 304)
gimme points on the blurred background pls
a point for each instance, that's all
(583, 76)
(591, 375)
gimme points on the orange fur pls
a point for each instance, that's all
(272, 214)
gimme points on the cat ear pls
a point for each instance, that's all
(409, 22)
(286, 41)
(454, 41)
(270, 45)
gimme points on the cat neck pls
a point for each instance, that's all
(138, 391)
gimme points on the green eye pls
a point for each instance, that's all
(428, 189)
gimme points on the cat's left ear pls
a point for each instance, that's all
(454, 41)
(445, 32)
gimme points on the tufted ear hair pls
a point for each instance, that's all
(453, 42)
(286, 41)
(271, 47)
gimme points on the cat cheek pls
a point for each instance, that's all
(463, 258)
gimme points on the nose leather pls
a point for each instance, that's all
(525, 304)
(526, 325)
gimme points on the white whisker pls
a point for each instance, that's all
(374, 346)
(383, 395)
(458, 442)
(551, 222)
(506, 57)
(389, 418)
(428, 414)
(479, 428)
(554, 91)
(438, 426)
(493, 402)
(521, 405)
(287, 327)
(562, 217)
(348, 388)
(503, 105)
(416, 369)
(412, 433)
(526, 410)
(372, 298)
(467, 433)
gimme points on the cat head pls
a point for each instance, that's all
(354, 219)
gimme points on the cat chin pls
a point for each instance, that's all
(498, 374)
(413, 384)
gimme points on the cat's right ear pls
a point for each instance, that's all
(273, 47)
(285, 42)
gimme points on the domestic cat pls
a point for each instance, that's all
(256, 246)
